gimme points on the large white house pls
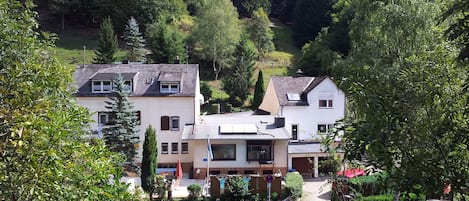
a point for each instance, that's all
(310, 106)
(164, 95)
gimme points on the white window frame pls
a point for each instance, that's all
(184, 151)
(163, 145)
(105, 115)
(101, 86)
(171, 87)
(174, 127)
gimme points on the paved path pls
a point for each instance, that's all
(316, 190)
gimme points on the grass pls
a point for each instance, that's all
(74, 48)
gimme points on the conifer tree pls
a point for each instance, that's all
(149, 160)
(120, 136)
(258, 91)
(134, 41)
(238, 83)
(107, 44)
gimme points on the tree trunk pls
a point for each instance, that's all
(396, 196)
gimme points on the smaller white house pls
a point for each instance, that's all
(310, 106)
(238, 143)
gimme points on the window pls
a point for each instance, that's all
(166, 124)
(294, 131)
(172, 87)
(259, 150)
(103, 118)
(174, 123)
(174, 148)
(128, 86)
(325, 128)
(325, 103)
(184, 148)
(164, 148)
(225, 152)
(101, 86)
(139, 118)
(108, 118)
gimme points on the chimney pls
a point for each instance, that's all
(299, 73)
(177, 61)
(279, 122)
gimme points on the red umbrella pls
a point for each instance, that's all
(350, 173)
(178, 170)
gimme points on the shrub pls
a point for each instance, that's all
(328, 166)
(195, 190)
(293, 185)
(385, 197)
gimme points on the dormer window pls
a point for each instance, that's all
(128, 86)
(169, 87)
(101, 86)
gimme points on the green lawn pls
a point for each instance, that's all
(77, 48)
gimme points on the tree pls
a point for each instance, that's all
(237, 85)
(309, 18)
(45, 154)
(260, 32)
(259, 91)
(216, 32)
(254, 5)
(120, 136)
(134, 41)
(205, 91)
(459, 29)
(165, 43)
(149, 161)
(316, 58)
(107, 44)
(406, 97)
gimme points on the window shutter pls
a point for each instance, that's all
(165, 123)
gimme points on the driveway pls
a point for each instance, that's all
(316, 190)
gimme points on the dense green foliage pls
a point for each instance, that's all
(309, 18)
(408, 105)
(316, 58)
(149, 160)
(238, 83)
(259, 91)
(235, 190)
(44, 152)
(205, 91)
(216, 33)
(134, 41)
(293, 185)
(459, 29)
(107, 44)
(195, 191)
(121, 133)
(165, 43)
(260, 32)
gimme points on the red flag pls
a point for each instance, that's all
(178, 170)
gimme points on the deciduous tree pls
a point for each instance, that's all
(406, 97)
(216, 32)
(309, 17)
(107, 44)
(165, 43)
(45, 154)
(260, 32)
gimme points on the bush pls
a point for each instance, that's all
(293, 185)
(328, 166)
(195, 190)
(385, 197)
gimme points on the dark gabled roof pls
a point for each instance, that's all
(145, 77)
(294, 85)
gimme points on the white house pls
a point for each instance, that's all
(164, 95)
(310, 106)
(240, 143)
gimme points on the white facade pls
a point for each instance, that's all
(309, 117)
(151, 109)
